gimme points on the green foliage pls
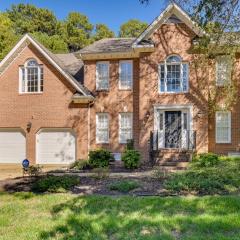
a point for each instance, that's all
(77, 31)
(35, 170)
(130, 144)
(206, 160)
(54, 43)
(55, 184)
(101, 172)
(221, 178)
(80, 165)
(28, 18)
(102, 31)
(131, 159)
(100, 158)
(124, 186)
(132, 28)
(8, 38)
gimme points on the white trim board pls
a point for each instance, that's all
(172, 9)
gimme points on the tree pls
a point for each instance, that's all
(132, 28)
(77, 31)
(54, 43)
(28, 18)
(7, 35)
(102, 31)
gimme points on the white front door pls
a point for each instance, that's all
(12, 146)
(56, 146)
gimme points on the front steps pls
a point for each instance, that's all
(172, 159)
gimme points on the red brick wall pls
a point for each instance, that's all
(50, 109)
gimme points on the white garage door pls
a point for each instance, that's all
(12, 146)
(56, 147)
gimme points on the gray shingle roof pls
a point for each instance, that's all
(109, 45)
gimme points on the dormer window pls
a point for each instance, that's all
(173, 75)
(31, 77)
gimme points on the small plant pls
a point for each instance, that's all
(100, 158)
(80, 165)
(131, 159)
(35, 171)
(124, 186)
(160, 174)
(55, 184)
(206, 160)
(102, 172)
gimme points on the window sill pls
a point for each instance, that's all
(173, 93)
(102, 90)
(30, 93)
(102, 143)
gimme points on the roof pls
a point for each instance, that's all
(109, 45)
(59, 64)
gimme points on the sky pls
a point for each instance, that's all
(110, 12)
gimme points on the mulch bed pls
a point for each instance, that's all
(148, 186)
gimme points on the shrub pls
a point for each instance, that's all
(130, 144)
(222, 178)
(101, 172)
(35, 170)
(80, 165)
(131, 159)
(55, 184)
(100, 158)
(206, 160)
(123, 186)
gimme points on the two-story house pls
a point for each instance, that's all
(55, 108)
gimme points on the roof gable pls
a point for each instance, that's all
(173, 13)
(53, 60)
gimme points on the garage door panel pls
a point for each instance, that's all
(12, 146)
(56, 147)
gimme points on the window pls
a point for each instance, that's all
(125, 74)
(223, 70)
(102, 81)
(173, 75)
(102, 128)
(223, 127)
(125, 127)
(31, 77)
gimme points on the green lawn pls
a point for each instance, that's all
(68, 217)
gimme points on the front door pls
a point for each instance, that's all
(173, 129)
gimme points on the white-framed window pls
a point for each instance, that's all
(31, 77)
(173, 75)
(223, 70)
(223, 127)
(125, 127)
(102, 128)
(125, 75)
(102, 76)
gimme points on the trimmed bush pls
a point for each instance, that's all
(55, 184)
(131, 159)
(123, 186)
(100, 158)
(206, 160)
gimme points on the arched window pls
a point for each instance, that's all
(31, 77)
(173, 75)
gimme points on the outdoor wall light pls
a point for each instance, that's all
(29, 125)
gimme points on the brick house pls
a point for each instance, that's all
(57, 107)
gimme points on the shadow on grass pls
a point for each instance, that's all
(146, 218)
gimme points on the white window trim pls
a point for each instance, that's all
(97, 80)
(165, 77)
(40, 66)
(119, 70)
(229, 64)
(119, 126)
(97, 141)
(230, 127)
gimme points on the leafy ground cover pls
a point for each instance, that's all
(67, 216)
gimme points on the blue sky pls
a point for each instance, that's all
(111, 12)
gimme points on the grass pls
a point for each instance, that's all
(124, 186)
(69, 217)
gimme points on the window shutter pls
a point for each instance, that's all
(185, 73)
(162, 77)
